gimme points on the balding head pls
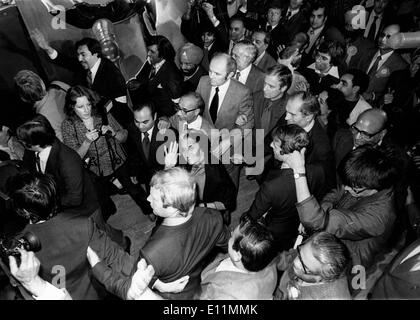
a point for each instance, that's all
(383, 40)
(370, 127)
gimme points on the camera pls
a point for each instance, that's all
(9, 247)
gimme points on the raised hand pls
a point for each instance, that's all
(171, 155)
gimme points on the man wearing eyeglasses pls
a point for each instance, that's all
(188, 116)
(362, 214)
(380, 65)
(316, 271)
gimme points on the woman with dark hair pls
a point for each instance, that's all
(97, 138)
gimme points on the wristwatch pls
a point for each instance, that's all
(298, 175)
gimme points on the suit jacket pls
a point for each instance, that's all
(388, 18)
(277, 198)
(255, 80)
(297, 23)
(219, 186)
(319, 153)
(266, 62)
(75, 187)
(237, 101)
(108, 82)
(161, 89)
(378, 83)
(140, 165)
(279, 36)
(64, 241)
(190, 85)
(355, 50)
(278, 110)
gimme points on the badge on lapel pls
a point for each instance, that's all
(383, 73)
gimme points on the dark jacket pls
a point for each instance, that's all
(219, 186)
(363, 224)
(190, 85)
(277, 198)
(64, 240)
(164, 86)
(139, 165)
(75, 188)
(108, 82)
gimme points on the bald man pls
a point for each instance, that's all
(380, 65)
(370, 128)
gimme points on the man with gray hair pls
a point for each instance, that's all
(245, 52)
(317, 271)
(46, 101)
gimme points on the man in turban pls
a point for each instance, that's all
(190, 57)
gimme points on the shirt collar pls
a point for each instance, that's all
(332, 72)
(259, 58)
(245, 73)
(224, 86)
(159, 65)
(95, 68)
(196, 124)
(309, 126)
(150, 131)
(316, 31)
(44, 154)
(292, 12)
(383, 57)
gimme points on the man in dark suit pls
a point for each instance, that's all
(95, 72)
(278, 33)
(261, 40)
(294, 18)
(190, 57)
(380, 65)
(146, 144)
(302, 109)
(319, 31)
(46, 154)
(64, 237)
(159, 80)
(244, 52)
(380, 16)
(356, 43)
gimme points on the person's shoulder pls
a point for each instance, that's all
(238, 88)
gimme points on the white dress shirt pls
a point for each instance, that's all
(222, 93)
(244, 74)
(384, 58)
(43, 157)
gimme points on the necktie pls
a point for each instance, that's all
(374, 68)
(152, 72)
(372, 31)
(214, 105)
(38, 162)
(289, 13)
(146, 145)
(89, 79)
(238, 75)
(269, 28)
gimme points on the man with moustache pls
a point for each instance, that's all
(190, 57)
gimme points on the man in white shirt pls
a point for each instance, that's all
(244, 52)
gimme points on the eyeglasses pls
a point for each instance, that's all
(385, 35)
(364, 134)
(305, 269)
(178, 108)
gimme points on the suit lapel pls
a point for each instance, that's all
(52, 158)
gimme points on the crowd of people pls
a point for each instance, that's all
(326, 102)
